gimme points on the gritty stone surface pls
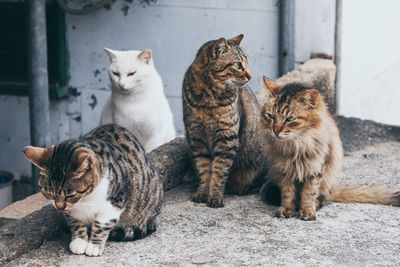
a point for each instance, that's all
(356, 133)
(245, 231)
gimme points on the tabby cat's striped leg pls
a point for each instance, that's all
(202, 163)
(79, 240)
(98, 237)
(288, 198)
(224, 153)
(309, 196)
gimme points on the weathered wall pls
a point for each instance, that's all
(174, 30)
(370, 60)
(315, 28)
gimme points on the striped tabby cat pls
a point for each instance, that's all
(305, 154)
(103, 182)
(220, 115)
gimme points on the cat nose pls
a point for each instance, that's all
(248, 75)
(122, 85)
(276, 130)
(60, 205)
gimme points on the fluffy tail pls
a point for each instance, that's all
(365, 194)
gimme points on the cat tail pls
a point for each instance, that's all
(365, 194)
(270, 193)
(126, 233)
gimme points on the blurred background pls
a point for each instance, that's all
(47, 52)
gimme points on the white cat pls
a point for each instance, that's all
(137, 98)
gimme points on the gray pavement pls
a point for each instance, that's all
(245, 231)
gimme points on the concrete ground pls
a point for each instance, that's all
(245, 231)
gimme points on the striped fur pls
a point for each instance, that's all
(214, 113)
(306, 154)
(103, 181)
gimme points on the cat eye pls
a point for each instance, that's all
(48, 196)
(131, 73)
(81, 192)
(238, 65)
(116, 73)
(291, 118)
(271, 116)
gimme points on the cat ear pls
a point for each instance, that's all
(310, 97)
(219, 47)
(37, 155)
(237, 40)
(82, 159)
(110, 53)
(145, 56)
(270, 86)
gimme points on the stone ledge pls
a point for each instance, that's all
(22, 208)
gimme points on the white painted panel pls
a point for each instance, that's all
(371, 60)
(174, 30)
(315, 28)
(14, 134)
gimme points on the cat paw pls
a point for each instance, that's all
(215, 202)
(283, 212)
(94, 250)
(307, 214)
(78, 246)
(199, 197)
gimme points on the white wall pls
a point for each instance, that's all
(315, 28)
(371, 60)
(174, 30)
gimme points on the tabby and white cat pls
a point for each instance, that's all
(305, 154)
(137, 98)
(103, 182)
(221, 115)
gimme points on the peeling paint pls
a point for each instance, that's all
(78, 118)
(96, 72)
(73, 91)
(108, 6)
(87, 5)
(93, 104)
(125, 10)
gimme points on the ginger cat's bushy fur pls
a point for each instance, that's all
(305, 154)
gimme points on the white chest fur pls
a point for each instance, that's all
(96, 206)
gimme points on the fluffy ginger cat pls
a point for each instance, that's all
(137, 98)
(305, 155)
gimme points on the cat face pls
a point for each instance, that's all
(226, 60)
(291, 111)
(129, 69)
(64, 180)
